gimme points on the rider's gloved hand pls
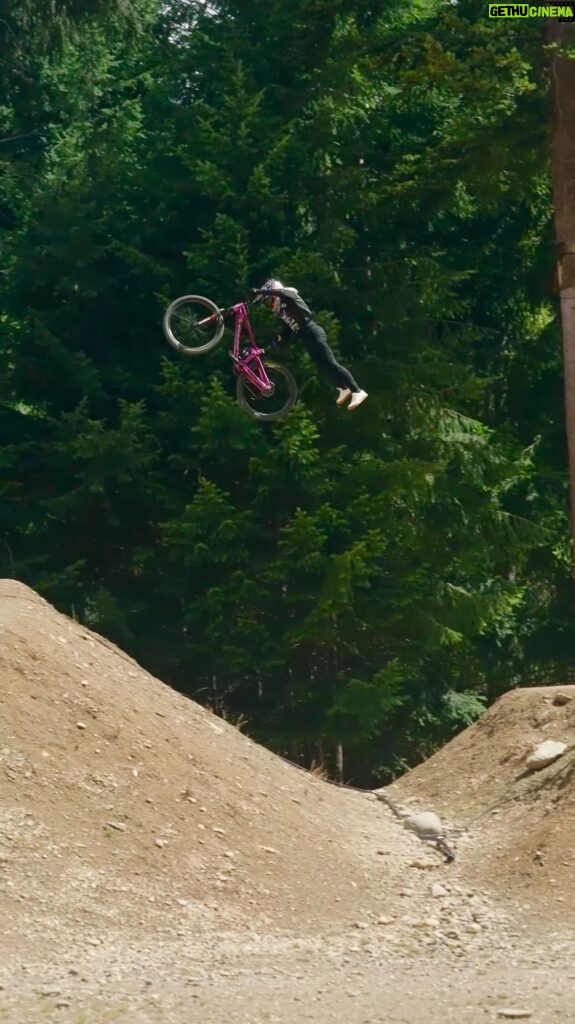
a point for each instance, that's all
(255, 295)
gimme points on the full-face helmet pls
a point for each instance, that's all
(271, 301)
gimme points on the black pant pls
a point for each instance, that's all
(315, 341)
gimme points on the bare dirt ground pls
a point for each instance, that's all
(158, 866)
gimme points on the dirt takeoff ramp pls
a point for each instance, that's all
(124, 803)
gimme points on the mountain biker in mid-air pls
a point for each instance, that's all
(288, 304)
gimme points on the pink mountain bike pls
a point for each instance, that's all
(195, 325)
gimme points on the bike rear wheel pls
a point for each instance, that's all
(193, 324)
(272, 407)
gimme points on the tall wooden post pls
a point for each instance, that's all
(562, 35)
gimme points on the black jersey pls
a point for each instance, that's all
(293, 311)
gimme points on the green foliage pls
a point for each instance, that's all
(464, 708)
(362, 708)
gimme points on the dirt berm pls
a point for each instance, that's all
(157, 865)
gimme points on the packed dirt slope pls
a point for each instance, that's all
(516, 826)
(108, 773)
(150, 855)
(127, 797)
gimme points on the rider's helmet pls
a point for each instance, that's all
(271, 301)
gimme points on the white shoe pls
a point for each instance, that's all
(343, 396)
(357, 398)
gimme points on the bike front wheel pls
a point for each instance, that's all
(273, 406)
(193, 324)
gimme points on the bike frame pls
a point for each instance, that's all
(249, 366)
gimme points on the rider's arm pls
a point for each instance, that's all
(284, 293)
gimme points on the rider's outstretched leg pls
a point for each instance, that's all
(315, 341)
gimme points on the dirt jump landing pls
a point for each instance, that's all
(516, 825)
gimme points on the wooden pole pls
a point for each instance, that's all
(561, 35)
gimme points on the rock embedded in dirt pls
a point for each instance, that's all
(438, 890)
(545, 754)
(513, 1013)
(426, 823)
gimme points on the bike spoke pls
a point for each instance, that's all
(193, 324)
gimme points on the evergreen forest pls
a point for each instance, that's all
(349, 589)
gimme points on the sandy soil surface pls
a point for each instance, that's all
(157, 865)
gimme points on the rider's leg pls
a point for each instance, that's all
(315, 341)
